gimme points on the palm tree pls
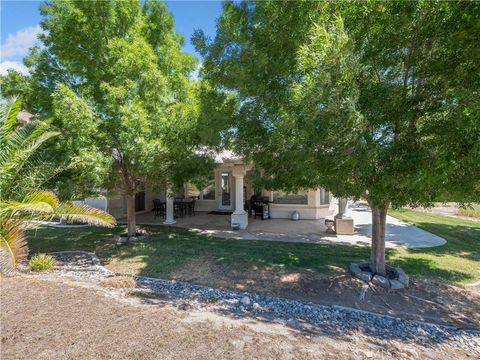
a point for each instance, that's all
(23, 174)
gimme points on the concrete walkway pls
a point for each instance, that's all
(398, 233)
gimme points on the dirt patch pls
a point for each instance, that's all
(119, 282)
(424, 300)
(51, 319)
(450, 209)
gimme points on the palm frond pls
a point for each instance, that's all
(42, 196)
(11, 209)
(83, 213)
(13, 245)
(17, 161)
(8, 113)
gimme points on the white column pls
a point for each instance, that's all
(239, 195)
(169, 219)
(239, 216)
(342, 207)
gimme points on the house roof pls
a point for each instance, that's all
(228, 157)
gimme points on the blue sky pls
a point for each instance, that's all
(20, 26)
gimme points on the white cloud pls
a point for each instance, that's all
(195, 74)
(15, 65)
(18, 44)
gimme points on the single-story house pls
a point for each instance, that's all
(228, 192)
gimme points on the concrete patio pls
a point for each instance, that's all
(398, 233)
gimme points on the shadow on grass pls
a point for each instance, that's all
(168, 249)
(51, 239)
(462, 241)
(428, 268)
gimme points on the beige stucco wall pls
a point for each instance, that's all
(312, 210)
(117, 204)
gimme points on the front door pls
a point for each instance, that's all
(140, 201)
(226, 202)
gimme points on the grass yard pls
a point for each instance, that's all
(169, 249)
(457, 261)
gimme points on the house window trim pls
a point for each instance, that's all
(201, 194)
(202, 199)
(289, 205)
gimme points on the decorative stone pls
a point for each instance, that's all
(395, 285)
(355, 268)
(245, 300)
(394, 279)
(139, 236)
(295, 215)
(240, 218)
(402, 276)
(365, 276)
(338, 320)
(329, 223)
(381, 281)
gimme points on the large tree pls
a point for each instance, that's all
(374, 100)
(113, 75)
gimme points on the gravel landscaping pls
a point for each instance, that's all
(308, 317)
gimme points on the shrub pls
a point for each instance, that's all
(471, 211)
(119, 282)
(41, 262)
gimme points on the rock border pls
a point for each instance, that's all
(140, 235)
(304, 316)
(398, 279)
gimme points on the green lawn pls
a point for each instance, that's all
(168, 249)
(456, 261)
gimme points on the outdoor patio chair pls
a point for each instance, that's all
(159, 208)
(178, 207)
(191, 206)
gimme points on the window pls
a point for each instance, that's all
(208, 193)
(140, 201)
(297, 198)
(324, 197)
(226, 189)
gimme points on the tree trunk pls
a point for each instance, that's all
(131, 221)
(377, 259)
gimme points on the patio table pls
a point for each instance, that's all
(183, 206)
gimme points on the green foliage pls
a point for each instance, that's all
(373, 99)
(15, 84)
(40, 262)
(115, 79)
(370, 100)
(23, 171)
